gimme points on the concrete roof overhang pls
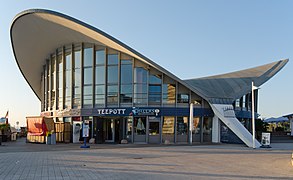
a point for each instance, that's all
(234, 85)
(36, 33)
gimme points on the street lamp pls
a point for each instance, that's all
(190, 122)
(252, 113)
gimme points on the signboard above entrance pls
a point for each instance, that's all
(111, 111)
(145, 112)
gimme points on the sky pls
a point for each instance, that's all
(188, 38)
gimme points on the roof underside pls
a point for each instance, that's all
(236, 84)
(37, 33)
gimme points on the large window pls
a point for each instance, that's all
(183, 98)
(47, 87)
(182, 125)
(88, 76)
(155, 91)
(112, 95)
(169, 94)
(67, 78)
(140, 86)
(100, 76)
(77, 78)
(168, 129)
(53, 81)
(126, 81)
(60, 80)
(112, 78)
(139, 126)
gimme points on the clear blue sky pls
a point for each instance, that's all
(188, 38)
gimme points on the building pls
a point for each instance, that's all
(290, 119)
(81, 73)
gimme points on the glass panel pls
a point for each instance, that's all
(183, 98)
(88, 56)
(196, 125)
(87, 95)
(88, 75)
(126, 74)
(100, 99)
(169, 93)
(112, 59)
(53, 82)
(129, 128)
(126, 61)
(68, 60)
(77, 77)
(168, 125)
(139, 126)
(126, 94)
(100, 57)
(100, 89)
(100, 74)
(126, 89)
(126, 98)
(140, 98)
(100, 95)
(154, 98)
(154, 89)
(207, 125)
(68, 79)
(60, 80)
(112, 94)
(155, 79)
(140, 88)
(140, 75)
(154, 93)
(76, 97)
(182, 125)
(207, 129)
(237, 104)
(154, 128)
(60, 71)
(53, 73)
(112, 74)
(77, 59)
(87, 90)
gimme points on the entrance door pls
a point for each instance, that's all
(109, 129)
(154, 132)
(139, 129)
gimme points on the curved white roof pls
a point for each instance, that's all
(37, 32)
(234, 85)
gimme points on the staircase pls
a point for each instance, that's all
(226, 113)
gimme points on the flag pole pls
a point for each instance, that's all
(252, 115)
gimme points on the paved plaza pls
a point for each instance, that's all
(19, 160)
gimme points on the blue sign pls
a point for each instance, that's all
(145, 112)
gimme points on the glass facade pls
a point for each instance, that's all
(84, 77)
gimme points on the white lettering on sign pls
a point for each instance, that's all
(111, 111)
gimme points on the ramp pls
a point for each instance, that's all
(226, 114)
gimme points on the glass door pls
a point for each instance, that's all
(154, 130)
(109, 129)
(196, 130)
(139, 129)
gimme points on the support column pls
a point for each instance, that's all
(216, 130)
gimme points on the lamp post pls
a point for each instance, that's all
(190, 123)
(252, 114)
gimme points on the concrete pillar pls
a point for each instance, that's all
(216, 130)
